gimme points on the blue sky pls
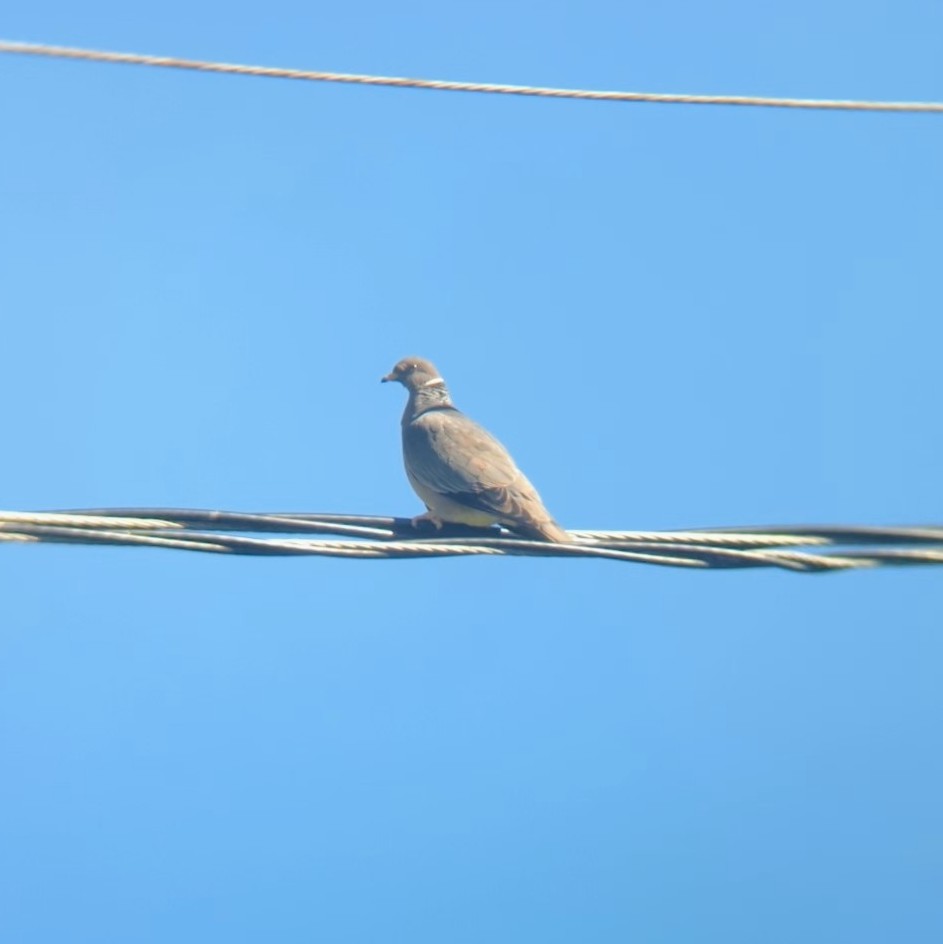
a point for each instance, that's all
(673, 316)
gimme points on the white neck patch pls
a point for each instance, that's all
(434, 382)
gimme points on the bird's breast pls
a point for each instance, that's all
(448, 510)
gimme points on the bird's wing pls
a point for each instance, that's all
(454, 456)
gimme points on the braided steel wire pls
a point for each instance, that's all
(805, 548)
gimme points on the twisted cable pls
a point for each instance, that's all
(802, 548)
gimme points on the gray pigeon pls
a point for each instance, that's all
(459, 470)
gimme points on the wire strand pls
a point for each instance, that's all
(397, 538)
(168, 62)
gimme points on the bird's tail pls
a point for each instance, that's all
(547, 530)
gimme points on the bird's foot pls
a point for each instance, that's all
(420, 520)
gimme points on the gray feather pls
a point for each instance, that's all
(451, 454)
(459, 470)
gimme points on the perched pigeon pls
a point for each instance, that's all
(459, 470)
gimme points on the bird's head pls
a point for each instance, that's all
(414, 373)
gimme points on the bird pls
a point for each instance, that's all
(460, 471)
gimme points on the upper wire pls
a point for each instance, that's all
(169, 62)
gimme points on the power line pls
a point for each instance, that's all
(375, 537)
(167, 62)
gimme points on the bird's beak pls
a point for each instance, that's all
(388, 378)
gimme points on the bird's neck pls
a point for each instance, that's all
(434, 397)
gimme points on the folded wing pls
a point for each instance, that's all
(454, 456)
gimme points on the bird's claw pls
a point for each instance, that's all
(420, 520)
